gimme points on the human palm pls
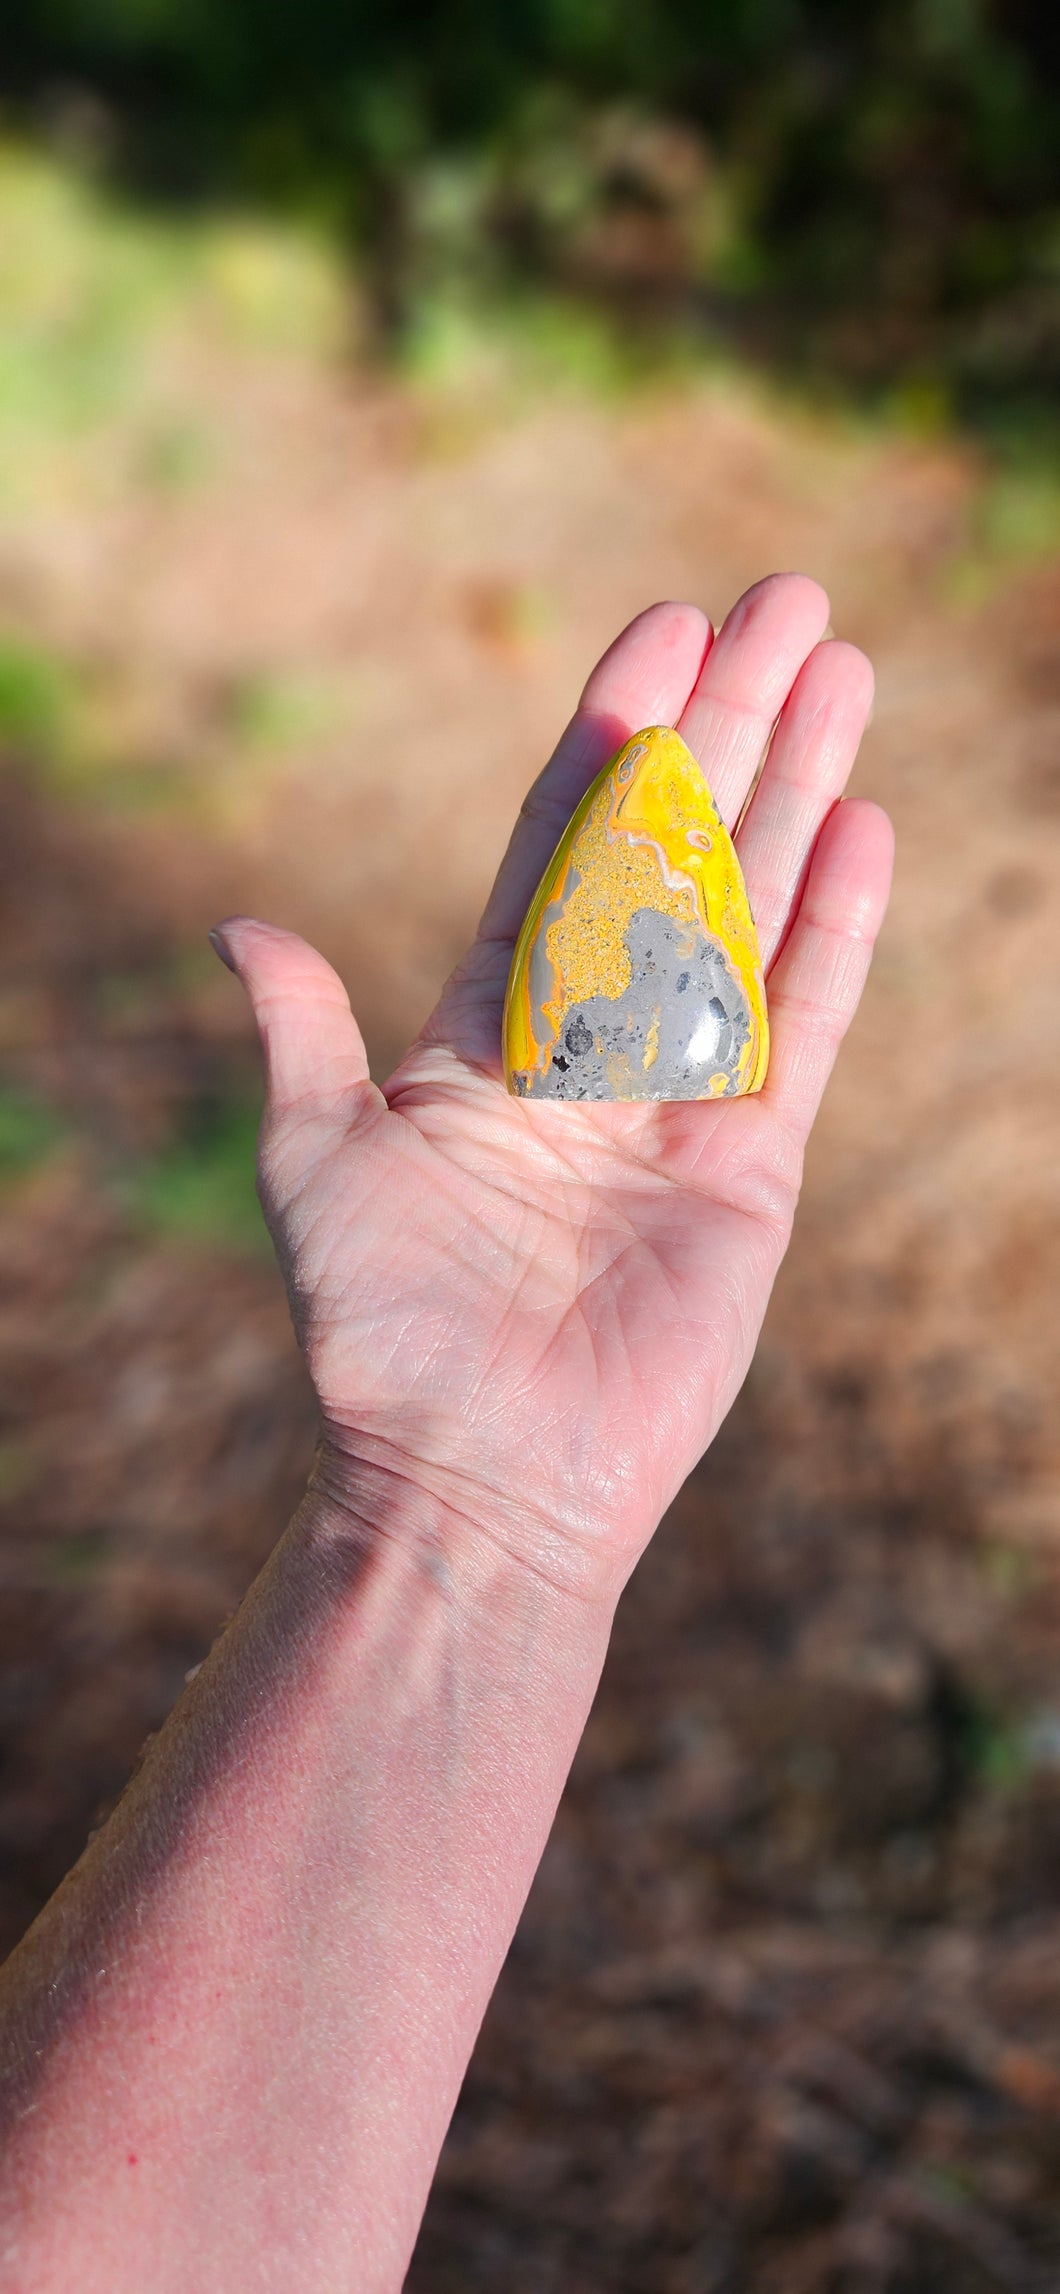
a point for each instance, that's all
(538, 1313)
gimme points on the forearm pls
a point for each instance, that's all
(233, 2041)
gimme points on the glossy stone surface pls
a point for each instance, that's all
(636, 974)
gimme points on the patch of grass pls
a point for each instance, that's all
(30, 1134)
(519, 346)
(81, 286)
(147, 991)
(921, 406)
(996, 1749)
(130, 999)
(52, 717)
(1015, 512)
(1009, 1569)
(287, 709)
(177, 457)
(272, 286)
(74, 1559)
(18, 1468)
(123, 785)
(100, 300)
(1019, 511)
(36, 695)
(1013, 523)
(202, 1187)
(65, 719)
(952, 2181)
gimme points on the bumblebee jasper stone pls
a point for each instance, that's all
(636, 974)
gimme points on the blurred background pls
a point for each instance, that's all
(361, 372)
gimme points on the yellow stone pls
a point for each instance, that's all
(636, 974)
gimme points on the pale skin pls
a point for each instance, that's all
(232, 2042)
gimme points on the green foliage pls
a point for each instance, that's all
(202, 1186)
(30, 1133)
(893, 163)
(98, 299)
(35, 692)
(1019, 510)
(998, 1749)
(286, 709)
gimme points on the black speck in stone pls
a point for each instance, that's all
(717, 1009)
(578, 1038)
(562, 1064)
(684, 982)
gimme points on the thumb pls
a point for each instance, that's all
(313, 1049)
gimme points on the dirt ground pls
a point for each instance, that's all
(783, 2014)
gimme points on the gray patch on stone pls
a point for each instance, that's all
(541, 977)
(679, 978)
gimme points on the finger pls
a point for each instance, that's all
(746, 678)
(312, 1045)
(644, 678)
(815, 986)
(812, 751)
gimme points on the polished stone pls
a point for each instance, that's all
(636, 974)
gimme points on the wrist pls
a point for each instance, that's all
(482, 1542)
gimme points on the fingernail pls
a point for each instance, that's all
(220, 947)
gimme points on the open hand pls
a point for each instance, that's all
(538, 1314)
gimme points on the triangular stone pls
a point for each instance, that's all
(636, 974)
